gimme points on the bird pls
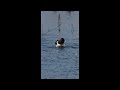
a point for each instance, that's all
(60, 42)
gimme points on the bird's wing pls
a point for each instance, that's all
(56, 42)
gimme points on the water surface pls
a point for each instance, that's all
(59, 63)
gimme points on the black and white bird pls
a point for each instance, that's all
(59, 43)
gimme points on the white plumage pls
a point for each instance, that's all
(59, 43)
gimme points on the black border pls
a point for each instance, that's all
(21, 39)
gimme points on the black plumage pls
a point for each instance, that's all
(61, 41)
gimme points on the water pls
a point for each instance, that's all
(59, 63)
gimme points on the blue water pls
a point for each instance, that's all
(60, 63)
